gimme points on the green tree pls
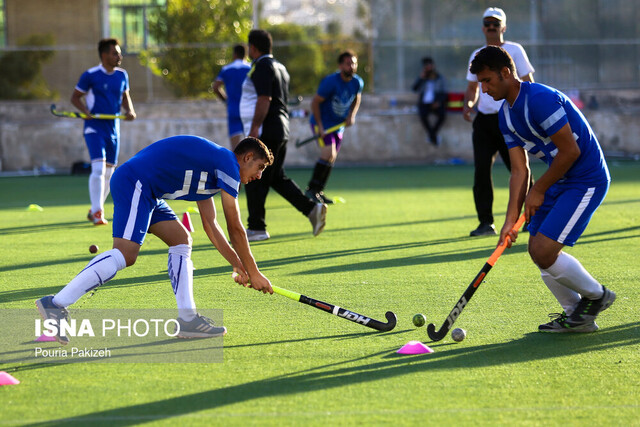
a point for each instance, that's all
(21, 76)
(186, 30)
(297, 48)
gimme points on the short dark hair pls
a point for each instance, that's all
(494, 58)
(346, 54)
(104, 45)
(255, 146)
(262, 40)
(426, 60)
(239, 51)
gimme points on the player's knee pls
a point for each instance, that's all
(97, 168)
(542, 258)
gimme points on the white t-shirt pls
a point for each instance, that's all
(486, 104)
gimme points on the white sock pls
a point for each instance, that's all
(100, 270)
(565, 296)
(96, 185)
(181, 275)
(568, 272)
(108, 171)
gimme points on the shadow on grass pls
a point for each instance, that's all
(533, 346)
(39, 228)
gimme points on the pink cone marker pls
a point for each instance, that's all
(6, 379)
(414, 347)
(44, 338)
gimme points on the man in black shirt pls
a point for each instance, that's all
(263, 109)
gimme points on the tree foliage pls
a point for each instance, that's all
(186, 30)
(21, 76)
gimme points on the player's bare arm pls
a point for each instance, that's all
(127, 104)
(262, 108)
(238, 237)
(315, 110)
(78, 102)
(470, 99)
(355, 105)
(216, 235)
(518, 187)
(217, 89)
(568, 153)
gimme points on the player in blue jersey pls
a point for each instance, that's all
(177, 168)
(231, 77)
(103, 89)
(337, 101)
(559, 206)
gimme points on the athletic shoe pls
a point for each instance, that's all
(558, 325)
(48, 310)
(484, 229)
(98, 219)
(199, 327)
(257, 235)
(318, 217)
(324, 199)
(90, 216)
(587, 310)
(313, 196)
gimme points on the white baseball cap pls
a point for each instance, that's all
(497, 13)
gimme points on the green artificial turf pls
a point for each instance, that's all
(400, 243)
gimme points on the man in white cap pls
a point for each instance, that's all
(487, 138)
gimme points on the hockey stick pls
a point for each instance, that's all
(316, 136)
(471, 289)
(76, 115)
(338, 311)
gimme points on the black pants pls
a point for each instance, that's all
(487, 142)
(274, 176)
(425, 110)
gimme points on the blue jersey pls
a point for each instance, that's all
(103, 96)
(338, 96)
(186, 167)
(538, 113)
(233, 75)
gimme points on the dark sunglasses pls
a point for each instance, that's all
(488, 24)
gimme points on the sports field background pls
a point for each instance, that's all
(400, 243)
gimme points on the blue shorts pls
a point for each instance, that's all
(134, 208)
(567, 210)
(102, 146)
(235, 126)
(333, 138)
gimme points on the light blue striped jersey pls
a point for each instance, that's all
(186, 167)
(538, 113)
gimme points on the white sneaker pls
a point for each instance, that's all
(318, 216)
(257, 235)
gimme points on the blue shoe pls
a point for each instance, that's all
(48, 310)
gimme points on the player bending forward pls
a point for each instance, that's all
(185, 168)
(543, 121)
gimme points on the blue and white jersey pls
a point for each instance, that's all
(538, 113)
(186, 167)
(338, 96)
(103, 96)
(233, 75)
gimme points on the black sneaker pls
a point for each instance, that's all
(558, 325)
(48, 310)
(199, 327)
(324, 198)
(484, 229)
(587, 310)
(313, 196)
